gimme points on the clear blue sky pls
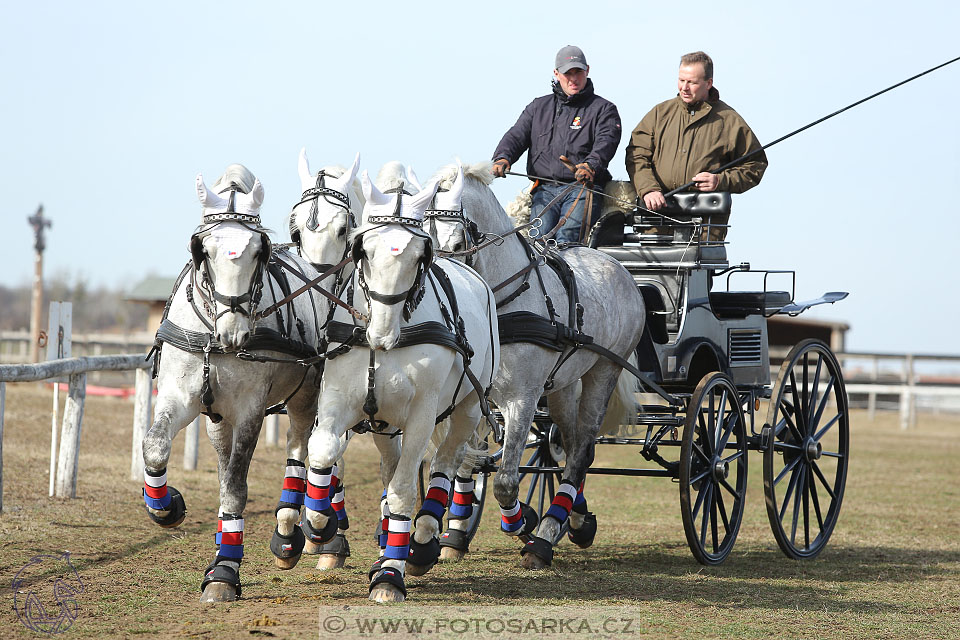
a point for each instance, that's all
(109, 110)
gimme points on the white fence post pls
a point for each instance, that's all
(142, 417)
(59, 345)
(273, 429)
(3, 394)
(906, 395)
(191, 444)
(67, 465)
(872, 396)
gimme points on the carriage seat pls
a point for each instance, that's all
(740, 304)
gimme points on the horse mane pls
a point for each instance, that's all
(235, 176)
(480, 171)
(390, 176)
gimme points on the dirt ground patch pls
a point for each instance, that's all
(892, 568)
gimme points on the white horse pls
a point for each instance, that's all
(612, 314)
(330, 205)
(431, 329)
(210, 319)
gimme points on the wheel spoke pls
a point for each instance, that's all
(790, 487)
(833, 454)
(786, 469)
(798, 405)
(812, 400)
(700, 452)
(729, 487)
(738, 454)
(796, 505)
(785, 446)
(827, 426)
(823, 481)
(805, 394)
(701, 476)
(806, 509)
(723, 511)
(816, 503)
(732, 421)
(708, 491)
(713, 521)
(789, 411)
(815, 419)
(721, 420)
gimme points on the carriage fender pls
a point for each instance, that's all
(698, 357)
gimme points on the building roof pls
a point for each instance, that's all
(151, 289)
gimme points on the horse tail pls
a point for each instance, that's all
(519, 208)
(471, 452)
(623, 407)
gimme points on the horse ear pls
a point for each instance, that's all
(303, 168)
(342, 184)
(456, 191)
(412, 178)
(420, 201)
(208, 199)
(370, 191)
(257, 195)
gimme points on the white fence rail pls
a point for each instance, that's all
(76, 369)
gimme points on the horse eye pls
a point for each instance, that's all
(342, 231)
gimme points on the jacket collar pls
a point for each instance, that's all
(579, 98)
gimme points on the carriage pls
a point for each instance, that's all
(704, 362)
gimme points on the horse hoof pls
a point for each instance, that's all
(386, 593)
(219, 592)
(328, 561)
(286, 563)
(449, 554)
(532, 562)
(417, 569)
(311, 549)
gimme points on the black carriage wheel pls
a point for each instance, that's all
(713, 469)
(807, 450)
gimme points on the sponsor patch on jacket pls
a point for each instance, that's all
(576, 123)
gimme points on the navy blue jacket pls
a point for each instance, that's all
(583, 127)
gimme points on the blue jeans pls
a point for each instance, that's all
(570, 231)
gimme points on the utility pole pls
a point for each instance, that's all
(38, 222)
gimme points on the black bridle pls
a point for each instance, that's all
(206, 290)
(313, 195)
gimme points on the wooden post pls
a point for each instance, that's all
(273, 429)
(191, 444)
(142, 416)
(38, 222)
(3, 394)
(67, 466)
(906, 396)
(872, 396)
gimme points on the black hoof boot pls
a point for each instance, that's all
(455, 539)
(540, 548)
(177, 511)
(287, 546)
(422, 556)
(328, 532)
(220, 573)
(583, 537)
(530, 521)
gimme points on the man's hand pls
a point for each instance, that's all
(584, 173)
(500, 168)
(706, 181)
(654, 201)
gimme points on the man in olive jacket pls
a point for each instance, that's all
(685, 138)
(574, 122)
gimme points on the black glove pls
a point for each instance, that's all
(584, 173)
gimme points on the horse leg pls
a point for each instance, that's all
(288, 540)
(165, 505)
(425, 545)
(453, 542)
(516, 518)
(579, 441)
(387, 584)
(234, 447)
(325, 446)
(389, 449)
(334, 554)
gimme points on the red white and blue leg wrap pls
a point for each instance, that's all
(462, 505)
(438, 494)
(155, 493)
(294, 485)
(318, 489)
(230, 537)
(511, 519)
(398, 538)
(337, 500)
(580, 503)
(562, 502)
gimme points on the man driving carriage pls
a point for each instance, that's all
(685, 138)
(574, 124)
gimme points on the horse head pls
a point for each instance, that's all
(327, 212)
(393, 255)
(230, 252)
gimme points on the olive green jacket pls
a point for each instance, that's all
(673, 143)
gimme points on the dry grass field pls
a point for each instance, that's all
(891, 569)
